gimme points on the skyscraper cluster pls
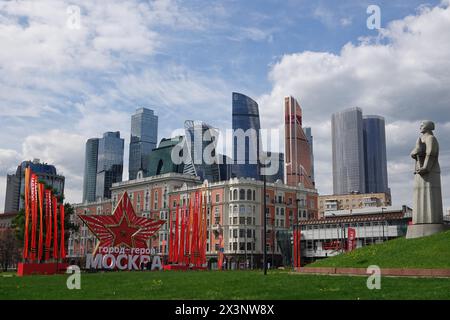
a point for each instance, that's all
(359, 153)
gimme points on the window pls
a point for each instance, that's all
(217, 197)
(249, 220)
(249, 194)
(241, 233)
(254, 195)
(241, 220)
(235, 233)
(249, 233)
(155, 200)
(242, 194)
(241, 209)
(235, 197)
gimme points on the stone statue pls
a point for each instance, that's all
(427, 202)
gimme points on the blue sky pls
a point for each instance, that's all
(60, 86)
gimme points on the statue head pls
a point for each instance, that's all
(426, 126)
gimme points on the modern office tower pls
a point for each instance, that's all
(160, 160)
(144, 136)
(201, 142)
(298, 166)
(348, 151)
(15, 185)
(246, 139)
(90, 170)
(110, 163)
(279, 175)
(309, 137)
(375, 161)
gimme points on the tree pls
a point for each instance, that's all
(9, 248)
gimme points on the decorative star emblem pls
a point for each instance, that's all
(123, 228)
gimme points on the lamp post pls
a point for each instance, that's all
(265, 227)
(383, 221)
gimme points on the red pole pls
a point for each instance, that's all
(55, 233)
(27, 212)
(63, 244)
(41, 222)
(48, 220)
(33, 215)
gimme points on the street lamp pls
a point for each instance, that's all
(383, 221)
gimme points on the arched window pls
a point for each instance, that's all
(242, 194)
(254, 195)
(249, 194)
(235, 197)
(235, 209)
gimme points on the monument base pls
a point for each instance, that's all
(426, 229)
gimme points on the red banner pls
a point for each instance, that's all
(63, 245)
(27, 212)
(41, 219)
(297, 235)
(48, 219)
(55, 229)
(351, 244)
(33, 215)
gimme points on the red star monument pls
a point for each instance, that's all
(123, 228)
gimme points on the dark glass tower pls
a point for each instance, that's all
(144, 136)
(110, 163)
(246, 142)
(375, 154)
(90, 170)
(15, 186)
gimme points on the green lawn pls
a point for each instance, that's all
(427, 252)
(219, 285)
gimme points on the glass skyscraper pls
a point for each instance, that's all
(375, 154)
(144, 137)
(245, 116)
(310, 139)
(90, 170)
(15, 185)
(110, 163)
(348, 151)
(199, 137)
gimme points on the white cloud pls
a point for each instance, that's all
(403, 74)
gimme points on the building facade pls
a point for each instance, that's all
(90, 170)
(245, 119)
(144, 138)
(309, 137)
(110, 163)
(348, 152)
(298, 165)
(15, 185)
(330, 203)
(375, 161)
(160, 160)
(326, 237)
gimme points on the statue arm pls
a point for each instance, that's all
(415, 151)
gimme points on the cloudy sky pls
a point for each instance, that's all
(63, 80)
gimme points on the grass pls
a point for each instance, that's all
(210, 285)
(431, 252)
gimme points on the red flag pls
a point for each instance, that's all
(33, 215)
(170, 236)
(49, 222)
(55, 229)
(220, 261)
(27, 211)
(41, 221)
(176, 244)
(182, 252)
(63, 244)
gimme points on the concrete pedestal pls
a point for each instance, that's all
(423, 230)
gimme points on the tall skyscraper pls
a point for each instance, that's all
(144, 137)
(348, 151)
(309, 137)
(199, 137)
(110, 163)
(15, 185)
(245, 120)
(298, 166)
(90, 170)
(375, 162)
